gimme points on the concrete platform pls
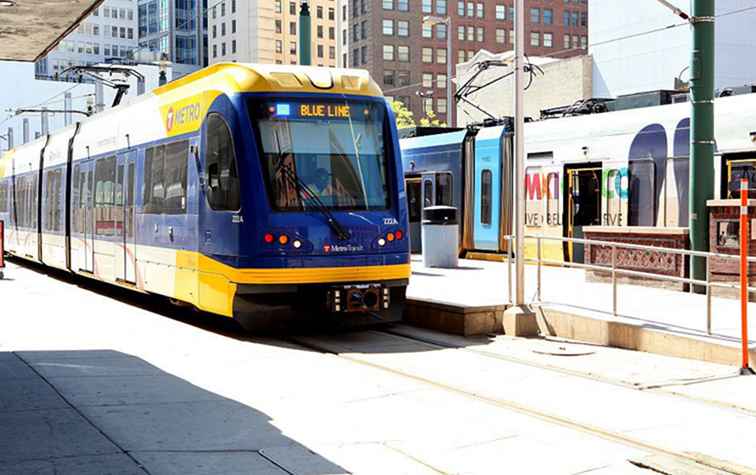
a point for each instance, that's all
(471, 300)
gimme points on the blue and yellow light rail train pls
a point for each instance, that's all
(247, 191)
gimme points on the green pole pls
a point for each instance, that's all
(305, 35)
(701, 132)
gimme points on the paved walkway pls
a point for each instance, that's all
(486, 283)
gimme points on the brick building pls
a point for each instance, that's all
(408, 58)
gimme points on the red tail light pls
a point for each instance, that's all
(399, 234)
(269, 238)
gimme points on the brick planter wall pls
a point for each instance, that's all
(654, 262)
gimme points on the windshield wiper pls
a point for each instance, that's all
(306, 193)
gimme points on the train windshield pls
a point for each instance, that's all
(326, 154)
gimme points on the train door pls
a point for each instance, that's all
(415, 208)
(124, 217)
(488, 179)
(583, 206)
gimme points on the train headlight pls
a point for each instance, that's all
(297, 244)
(381, 242)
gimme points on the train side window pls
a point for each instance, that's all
(154, 192)
(642, 193)
(220, 166)
(130, 201)
(486, 189)
(427, 193)
(444, 189)
(57, 200)
(174, 177)
(104, 196)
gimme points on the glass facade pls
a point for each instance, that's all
(171, 27)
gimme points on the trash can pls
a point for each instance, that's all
(440, 236)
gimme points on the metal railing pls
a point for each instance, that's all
(616, 271)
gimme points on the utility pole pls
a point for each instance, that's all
(305, 35)
(702, 143)
(519, 320)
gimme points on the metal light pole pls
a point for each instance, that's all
(305, 35)
(702, 144)
(701, 131)
(519, 191)
(432, 21)
(519, 320)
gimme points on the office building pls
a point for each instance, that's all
(408, 56)
(108, 34)
(268, 32)
(173, 30)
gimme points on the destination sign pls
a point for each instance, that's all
(320, 111)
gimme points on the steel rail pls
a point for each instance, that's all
(614, 436)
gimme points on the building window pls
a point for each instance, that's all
(470, 9)
(293, 8)
(223, 28)
(403, 78)
(427, 31)
(461, 33)
(233, 26)
(461, 8)
(427, 6)
(233, 46)
(441, 81)
(535, 15)
(584, 42)
(223, 48)
(293, 47)
(480, 34)
(548, 16)
(319, 12)
(428, 105)
(441, 31)
(479, 10)
(535, 39)
(501, 12)
(441, 56)
(331, 33)
(331, 13)
(388, 27)
(402, 53)
(320, 31)
(388, 77)
(428, 80)
(364, 29)
(320, 51)
(501, 35)
(402, 28)
(427, 56)
(441, 106)
(441, 7)
(388, 52)
(388, 4)
(470, 33)
(364, 54)
(548, 40)
(566, 44)
(278, 6)
(402, 5)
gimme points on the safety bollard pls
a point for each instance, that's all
(744, 235)
(2, 248)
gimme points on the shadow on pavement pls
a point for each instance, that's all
(96, 412)
(344, 338)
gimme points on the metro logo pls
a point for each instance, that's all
(185, 116)
(169, 120)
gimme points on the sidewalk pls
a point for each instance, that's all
(96, 412)
(578, 309)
